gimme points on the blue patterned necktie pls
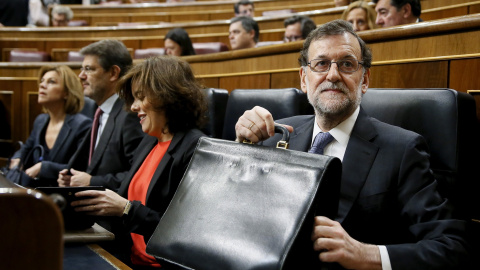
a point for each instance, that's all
(321, 140)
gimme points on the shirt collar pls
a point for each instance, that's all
(108, 104)
(342, 131)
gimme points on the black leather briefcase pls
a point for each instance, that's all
(243, 206)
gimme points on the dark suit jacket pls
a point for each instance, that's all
(14, 12)
(74, 129)
(389, 196)
(112, 158)
(143, 219)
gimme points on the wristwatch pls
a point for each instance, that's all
(127, 208)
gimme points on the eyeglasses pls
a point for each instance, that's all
(292, 38)
(87, 69)
(345, 66)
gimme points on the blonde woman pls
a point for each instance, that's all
(361, 15)
(61, 129)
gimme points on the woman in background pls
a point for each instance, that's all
(361, 15)
(61, 129)
(178, 43)
(171, 106)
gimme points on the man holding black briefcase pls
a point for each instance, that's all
(390, 214)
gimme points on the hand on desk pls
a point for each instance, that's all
(256, 125)
(335, 245)
(100, 203)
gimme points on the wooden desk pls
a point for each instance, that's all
(94, 234)
(91, 256)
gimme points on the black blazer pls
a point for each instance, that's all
(74, 129)
(143, 219)
(389, 196)
(113, 156)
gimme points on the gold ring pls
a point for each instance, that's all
(250, 127)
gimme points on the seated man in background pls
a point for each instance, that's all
(390, 214)
(243, 33)
(107, 151)
(244, 8)
(298, 27)
(397, 12)
(61, 15)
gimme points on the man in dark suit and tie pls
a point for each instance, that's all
(107, 151)
(390, 213)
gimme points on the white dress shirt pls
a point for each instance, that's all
(341, 134)
(106, 107)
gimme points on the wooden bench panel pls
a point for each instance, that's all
(464, 75)
(189, 6)
(149, 37)
(96, 19)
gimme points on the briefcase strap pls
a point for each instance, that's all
(283, 143)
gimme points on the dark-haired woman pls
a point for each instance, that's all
(170, 105)
(178, 43)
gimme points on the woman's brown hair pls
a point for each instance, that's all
(170, 86)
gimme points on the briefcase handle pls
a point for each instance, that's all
(283, 143)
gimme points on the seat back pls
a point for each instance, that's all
(268, 43)
(281, 12)
(280, 102)
(89, 108)
(146, 53)
(217, 104)
(447, 120)
(32, 229)
(75, 56)
(209, 47)
(77, 23)
(28, 56)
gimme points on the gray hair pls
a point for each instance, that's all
(248, 24)
(67, 11)
(110, 53)
(333, 28)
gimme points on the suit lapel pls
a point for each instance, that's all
(301, 138)
(62, 136)
(357, 162)
(164, 162)
(106, 134)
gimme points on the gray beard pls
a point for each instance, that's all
(334, 109)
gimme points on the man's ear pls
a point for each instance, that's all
(303, 82)
(366, 81)
(252, 34)
(114, 73)
(407, 11)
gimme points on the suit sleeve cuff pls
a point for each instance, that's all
(384, 258)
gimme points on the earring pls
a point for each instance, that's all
(165, 130)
